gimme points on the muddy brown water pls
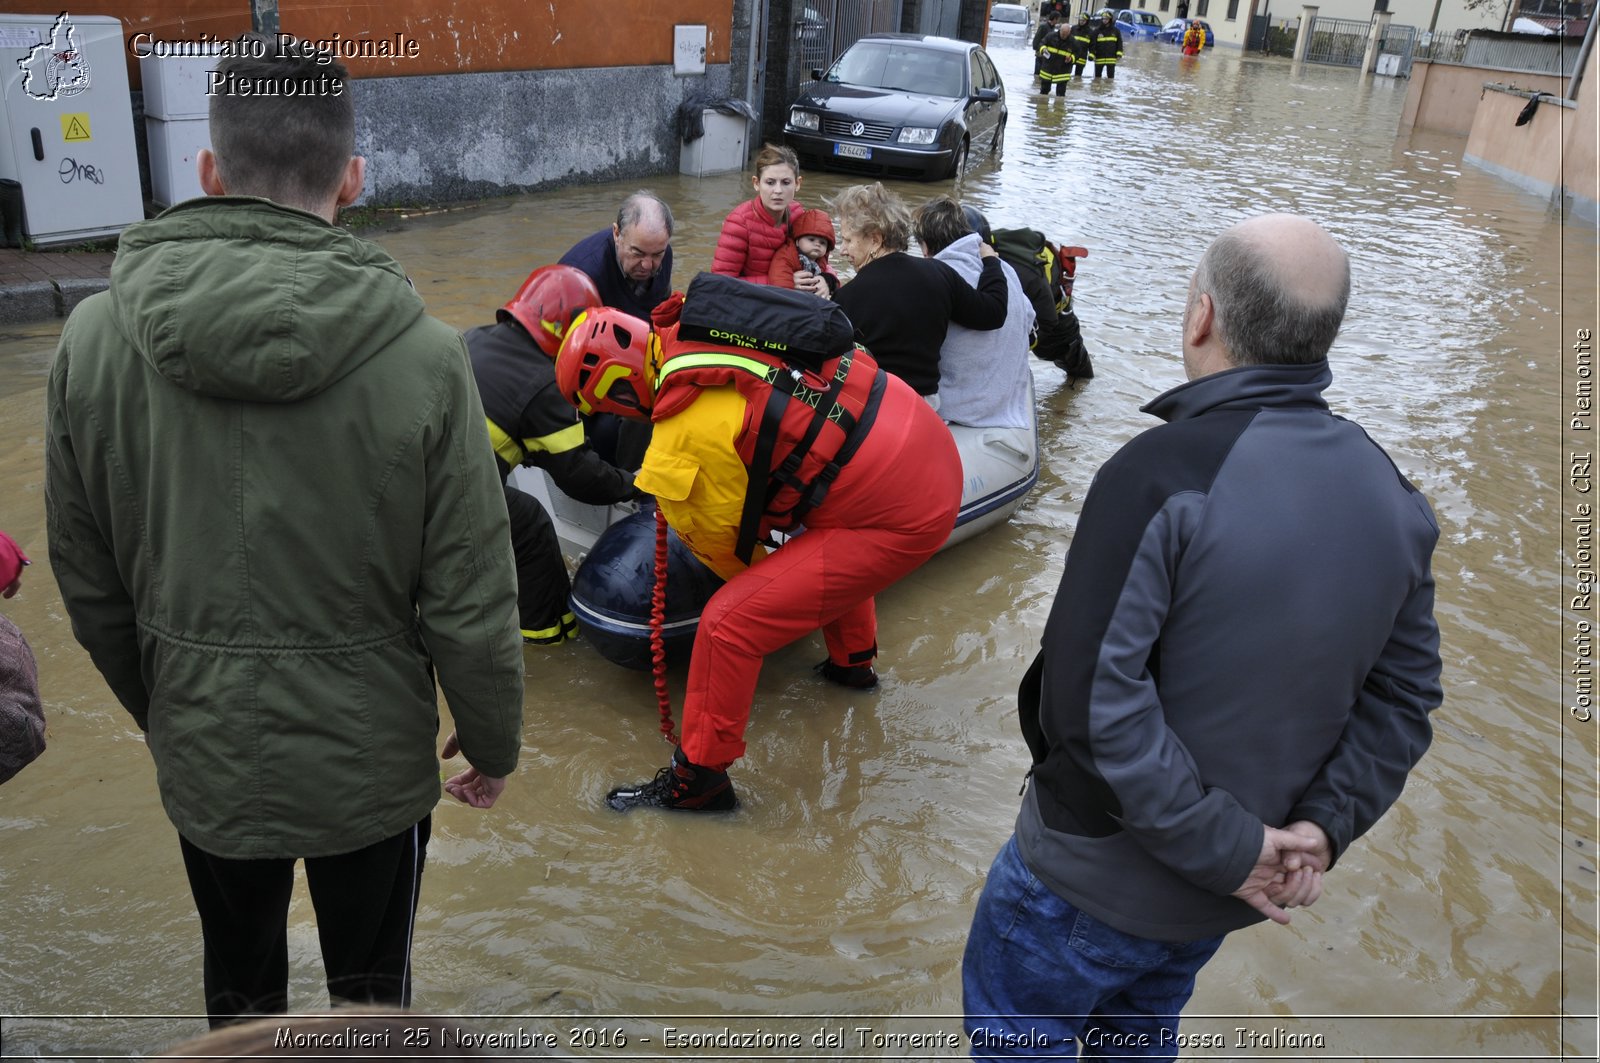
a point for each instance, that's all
(839, 896)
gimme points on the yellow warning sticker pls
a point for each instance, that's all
(75, 127)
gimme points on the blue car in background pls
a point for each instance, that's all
(1172, 32)
(1137, 25)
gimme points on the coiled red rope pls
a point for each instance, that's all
(658, 620)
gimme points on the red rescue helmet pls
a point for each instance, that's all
(607, 364)
(547, 303)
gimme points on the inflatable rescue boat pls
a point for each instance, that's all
(613, 590)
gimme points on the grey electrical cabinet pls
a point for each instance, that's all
(66, 126)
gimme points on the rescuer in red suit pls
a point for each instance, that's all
(747, 441)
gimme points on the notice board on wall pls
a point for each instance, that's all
(688, 50)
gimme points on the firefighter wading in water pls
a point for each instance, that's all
(1056, 60)
(1080, 41)
(1107, 46)
(747, 442)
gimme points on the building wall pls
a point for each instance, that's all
(1554, 154)
(1453, 14)
(1529, 155)
(1581, 158)
(1166, 9)
(450, 36)
(1443, 97)
(466, 136)
(494, 97)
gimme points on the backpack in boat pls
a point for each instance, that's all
(1029, 253)
(793, 326)
(1027, 249)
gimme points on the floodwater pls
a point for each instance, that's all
(838, 898)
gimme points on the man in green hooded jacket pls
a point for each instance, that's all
(273, 528)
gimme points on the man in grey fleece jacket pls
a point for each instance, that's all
(1234, 682)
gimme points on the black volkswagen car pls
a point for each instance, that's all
(900, 105)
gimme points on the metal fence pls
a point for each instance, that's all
(1338, 41)
(1396, 49)
(1549, 55)
(824, 28)
(1280, 39)
(1443, 47)
(1343, 42)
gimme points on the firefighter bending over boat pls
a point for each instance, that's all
(530, 423)
(760, 437)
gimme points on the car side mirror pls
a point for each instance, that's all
(816, 73)
(986, 95)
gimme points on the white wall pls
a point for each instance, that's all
(1453, 14)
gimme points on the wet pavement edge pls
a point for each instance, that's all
(39, 285)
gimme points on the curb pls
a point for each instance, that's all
(41, 300)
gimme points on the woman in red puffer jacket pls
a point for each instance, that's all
(756, 228)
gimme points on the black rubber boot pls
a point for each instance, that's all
(681, 786)
(854, 676)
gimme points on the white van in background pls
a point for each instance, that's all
(1008, 21)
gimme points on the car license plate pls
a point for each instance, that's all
(852, 151)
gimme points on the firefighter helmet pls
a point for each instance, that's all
(607, 364)
(547, 303)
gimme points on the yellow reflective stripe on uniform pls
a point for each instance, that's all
(508, 449)
(1048, 259)
(754, 366)
(569, 438)
(564, 628)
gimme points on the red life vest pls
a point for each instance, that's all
(800, 426)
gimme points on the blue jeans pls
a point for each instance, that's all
(1043, 979)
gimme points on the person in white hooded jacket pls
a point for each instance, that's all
(985, 383)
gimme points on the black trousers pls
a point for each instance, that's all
(543, 586)
(366, 904)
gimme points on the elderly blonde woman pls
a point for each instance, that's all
(900, 304)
